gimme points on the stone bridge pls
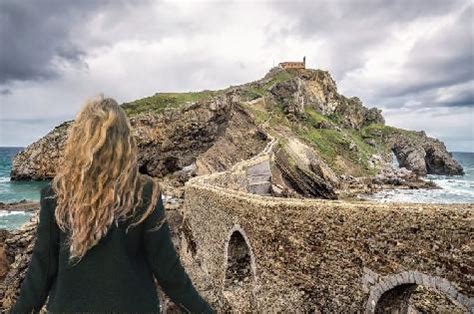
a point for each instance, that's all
(248, 251)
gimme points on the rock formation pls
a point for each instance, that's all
(182, 135)
(4, 262)
(418, 152)
(17, 247)
(167, 142)
(317, 90)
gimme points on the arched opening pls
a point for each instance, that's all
(239, 272)
(239, 269)
(413, 298)
(415, 292)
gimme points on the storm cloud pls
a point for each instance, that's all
(38, 37)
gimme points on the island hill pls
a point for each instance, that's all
(328, 145)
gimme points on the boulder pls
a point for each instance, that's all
(298, 168)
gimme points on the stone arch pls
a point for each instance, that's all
(239, 278)
(239, 261)
(398, 287)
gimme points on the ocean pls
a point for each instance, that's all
(454, 189)
(14, 191)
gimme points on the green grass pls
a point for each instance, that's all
(328, 142)
(255, 90)
(260, 114)
(279, 118)
(364, 151)
(314, 118)
(336, 118)
(380, 131)
(331, 144)
(160, 101)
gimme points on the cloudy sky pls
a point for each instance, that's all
(414, 59)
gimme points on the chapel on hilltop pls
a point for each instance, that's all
(293, 64)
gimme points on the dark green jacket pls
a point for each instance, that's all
(115, 275)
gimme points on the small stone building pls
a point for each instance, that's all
(293, 64)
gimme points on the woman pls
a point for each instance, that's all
(102, 234)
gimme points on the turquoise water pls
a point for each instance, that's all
(11, 221)
(14, 191)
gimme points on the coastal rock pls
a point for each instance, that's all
(351, 113)
(424, 155)
(22, 205)
(290, 94)
(40, 159)
(18, 246)
(167, 142)
(317, 90)
(439, 160)
(395, 176)
(4, 262)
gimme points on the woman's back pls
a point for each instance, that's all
(84, 258)
(115, 272)
(114, 275)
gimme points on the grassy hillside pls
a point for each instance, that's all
(160, 101)
(345, 150)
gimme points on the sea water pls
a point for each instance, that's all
(14, 191)
(453, 189)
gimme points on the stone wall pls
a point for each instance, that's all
(325, 255)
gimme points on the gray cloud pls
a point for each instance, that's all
(348, 29)
(5, 92)
(38, 36)
(443, 59)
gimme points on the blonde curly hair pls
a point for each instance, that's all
(98, 182)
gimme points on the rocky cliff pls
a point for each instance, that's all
(328, 142)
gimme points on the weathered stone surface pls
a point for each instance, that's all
(313, 255)
(22, 205)
(39, 160)
(317, 90)
(300, 178)
(4, 262)
(18, 246)
(424, 155)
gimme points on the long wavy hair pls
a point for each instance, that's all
(98, 182)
